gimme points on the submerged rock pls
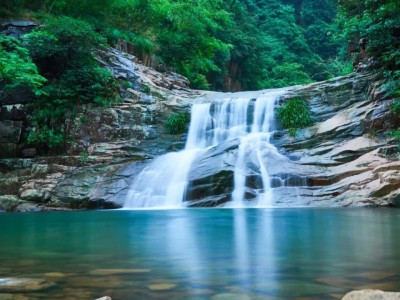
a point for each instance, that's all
(23, 285)
(230, 296)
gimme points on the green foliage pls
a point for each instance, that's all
(177, 123)
(17, 68)
(294, 114)
(288, 74)
(64, 51)
(396, 108)
(396, 134)
(378, 21)
(257, 43)
(337, 67)
(46, 137)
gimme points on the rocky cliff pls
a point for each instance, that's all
(104, 140)
(345, 159)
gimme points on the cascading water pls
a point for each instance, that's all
(247, 118)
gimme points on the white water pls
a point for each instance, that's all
(163, 183)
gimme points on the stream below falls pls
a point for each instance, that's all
(202, 254)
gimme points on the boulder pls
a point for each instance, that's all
(371, 295)
(9, 202)
(75, 187)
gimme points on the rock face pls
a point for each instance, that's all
(110, 143)
(347, 156)
(344, 159)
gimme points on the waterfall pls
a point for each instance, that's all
(247, 117)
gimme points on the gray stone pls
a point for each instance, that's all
(23, 285)
(371, 295)
(76, 186)
(9, 202)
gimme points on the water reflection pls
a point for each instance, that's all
(283, 253)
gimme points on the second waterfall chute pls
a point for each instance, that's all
(241, 125)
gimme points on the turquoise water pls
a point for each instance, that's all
(203, 253)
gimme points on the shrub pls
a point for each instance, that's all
(294, 114)
(177, 123)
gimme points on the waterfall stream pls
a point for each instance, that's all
(247, 117)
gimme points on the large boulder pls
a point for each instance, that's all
(371, 295)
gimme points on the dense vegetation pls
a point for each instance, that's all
(221, 45)
(378, 22)
(230, 45)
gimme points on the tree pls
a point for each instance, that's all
(17, 68)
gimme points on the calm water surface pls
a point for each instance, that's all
(216, 254)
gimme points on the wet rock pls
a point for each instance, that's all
(371, 295)
(75, 187)
(9, 202)
(394, 198)
(29, 207)
(111, 189)
(211, 176)
(23, 285)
